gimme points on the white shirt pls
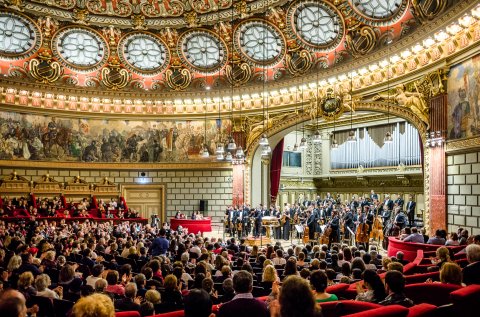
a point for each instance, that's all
(48, 293)
(91, 280)
(279, 261)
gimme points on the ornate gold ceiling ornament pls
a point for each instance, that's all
(48, 26)
(238, 73)
(377, 12)
(191, 19)
(298, 62)
(331, 106)
(114, 76)
(361, 41)
(21, 36)
(177, 77)
(428, 10)
(138, 22)
(110, 7)
(80, 48)
(80, 16)
(316, 25)
(202, 6)
(14, 5)
(44, 69)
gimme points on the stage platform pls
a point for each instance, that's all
(251, 241)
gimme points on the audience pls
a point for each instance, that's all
(154, 270)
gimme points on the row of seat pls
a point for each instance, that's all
(461, 302)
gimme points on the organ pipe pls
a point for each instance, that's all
(405, 149)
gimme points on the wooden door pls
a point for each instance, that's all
(146, 199)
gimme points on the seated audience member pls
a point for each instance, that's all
(405, 233)
(140, 280)
(42, 283)
(443, 256)
(13, 303)
(395, 266)
(243, 304)
(279, 259)
(415, 237)
(437, 239)
(24, 285)
(471, 273)
(97, 272)
(198, 304)
(395, 285)
(319, 282)
(228, 291)
(452, 240)
(130, 302)
(451, 273)
(295, 300)
(400, 258)
(113, 286)
(375, 290)
(172, 296)
(96, 305)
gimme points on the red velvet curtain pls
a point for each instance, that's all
(275, 170)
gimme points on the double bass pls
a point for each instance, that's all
(306, 235)
(361, 235)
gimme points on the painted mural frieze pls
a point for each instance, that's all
(41, 138)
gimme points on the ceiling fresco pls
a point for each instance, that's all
(190, 45)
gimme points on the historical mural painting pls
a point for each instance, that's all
(463, 99)
(34, 137)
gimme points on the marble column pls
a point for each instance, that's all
(438, 197)
(238, 185)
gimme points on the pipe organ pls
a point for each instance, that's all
(369, 150)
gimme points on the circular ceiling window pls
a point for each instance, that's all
(379, 12)
(203, 51)
(18, 36)
(80, 49)
(317, 25)
(260, 42)
(144, 53)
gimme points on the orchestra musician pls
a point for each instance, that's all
(348, 222)
(335, 225)
(400, 219)
(245, 220)
(278, 230)
(373, 196)
(411, 210)
(286, 222)
(311, 223)
(258, 220)
(399, 201)
(388, 202)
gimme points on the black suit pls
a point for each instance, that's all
(348, 220)
(411, 212)
(126, 304)
(471, 273)
(241, 307)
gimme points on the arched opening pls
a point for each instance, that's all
(403, 176)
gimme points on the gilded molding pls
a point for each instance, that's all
(463, 144)
(115, 166)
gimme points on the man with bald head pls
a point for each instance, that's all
(13, 303)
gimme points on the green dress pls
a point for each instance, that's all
(332, 298)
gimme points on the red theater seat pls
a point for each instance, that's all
(466, 299)
(337, 289)
(177, 313)
(127, 314)
(421, 278)
(390, 311)
(431, 293)
(422, 310)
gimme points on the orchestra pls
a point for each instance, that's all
(358, 220)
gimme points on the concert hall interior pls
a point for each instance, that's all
(252, 158)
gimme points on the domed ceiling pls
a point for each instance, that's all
(189, 45)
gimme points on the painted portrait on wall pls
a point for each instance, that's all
(463, 99)
(36, 137)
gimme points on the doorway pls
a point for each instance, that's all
(148, 200)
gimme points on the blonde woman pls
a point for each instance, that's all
(269, 277)
(96, 305)
(14, 263)
(24, 285)
(153, 296)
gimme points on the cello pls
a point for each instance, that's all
(325, 237)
